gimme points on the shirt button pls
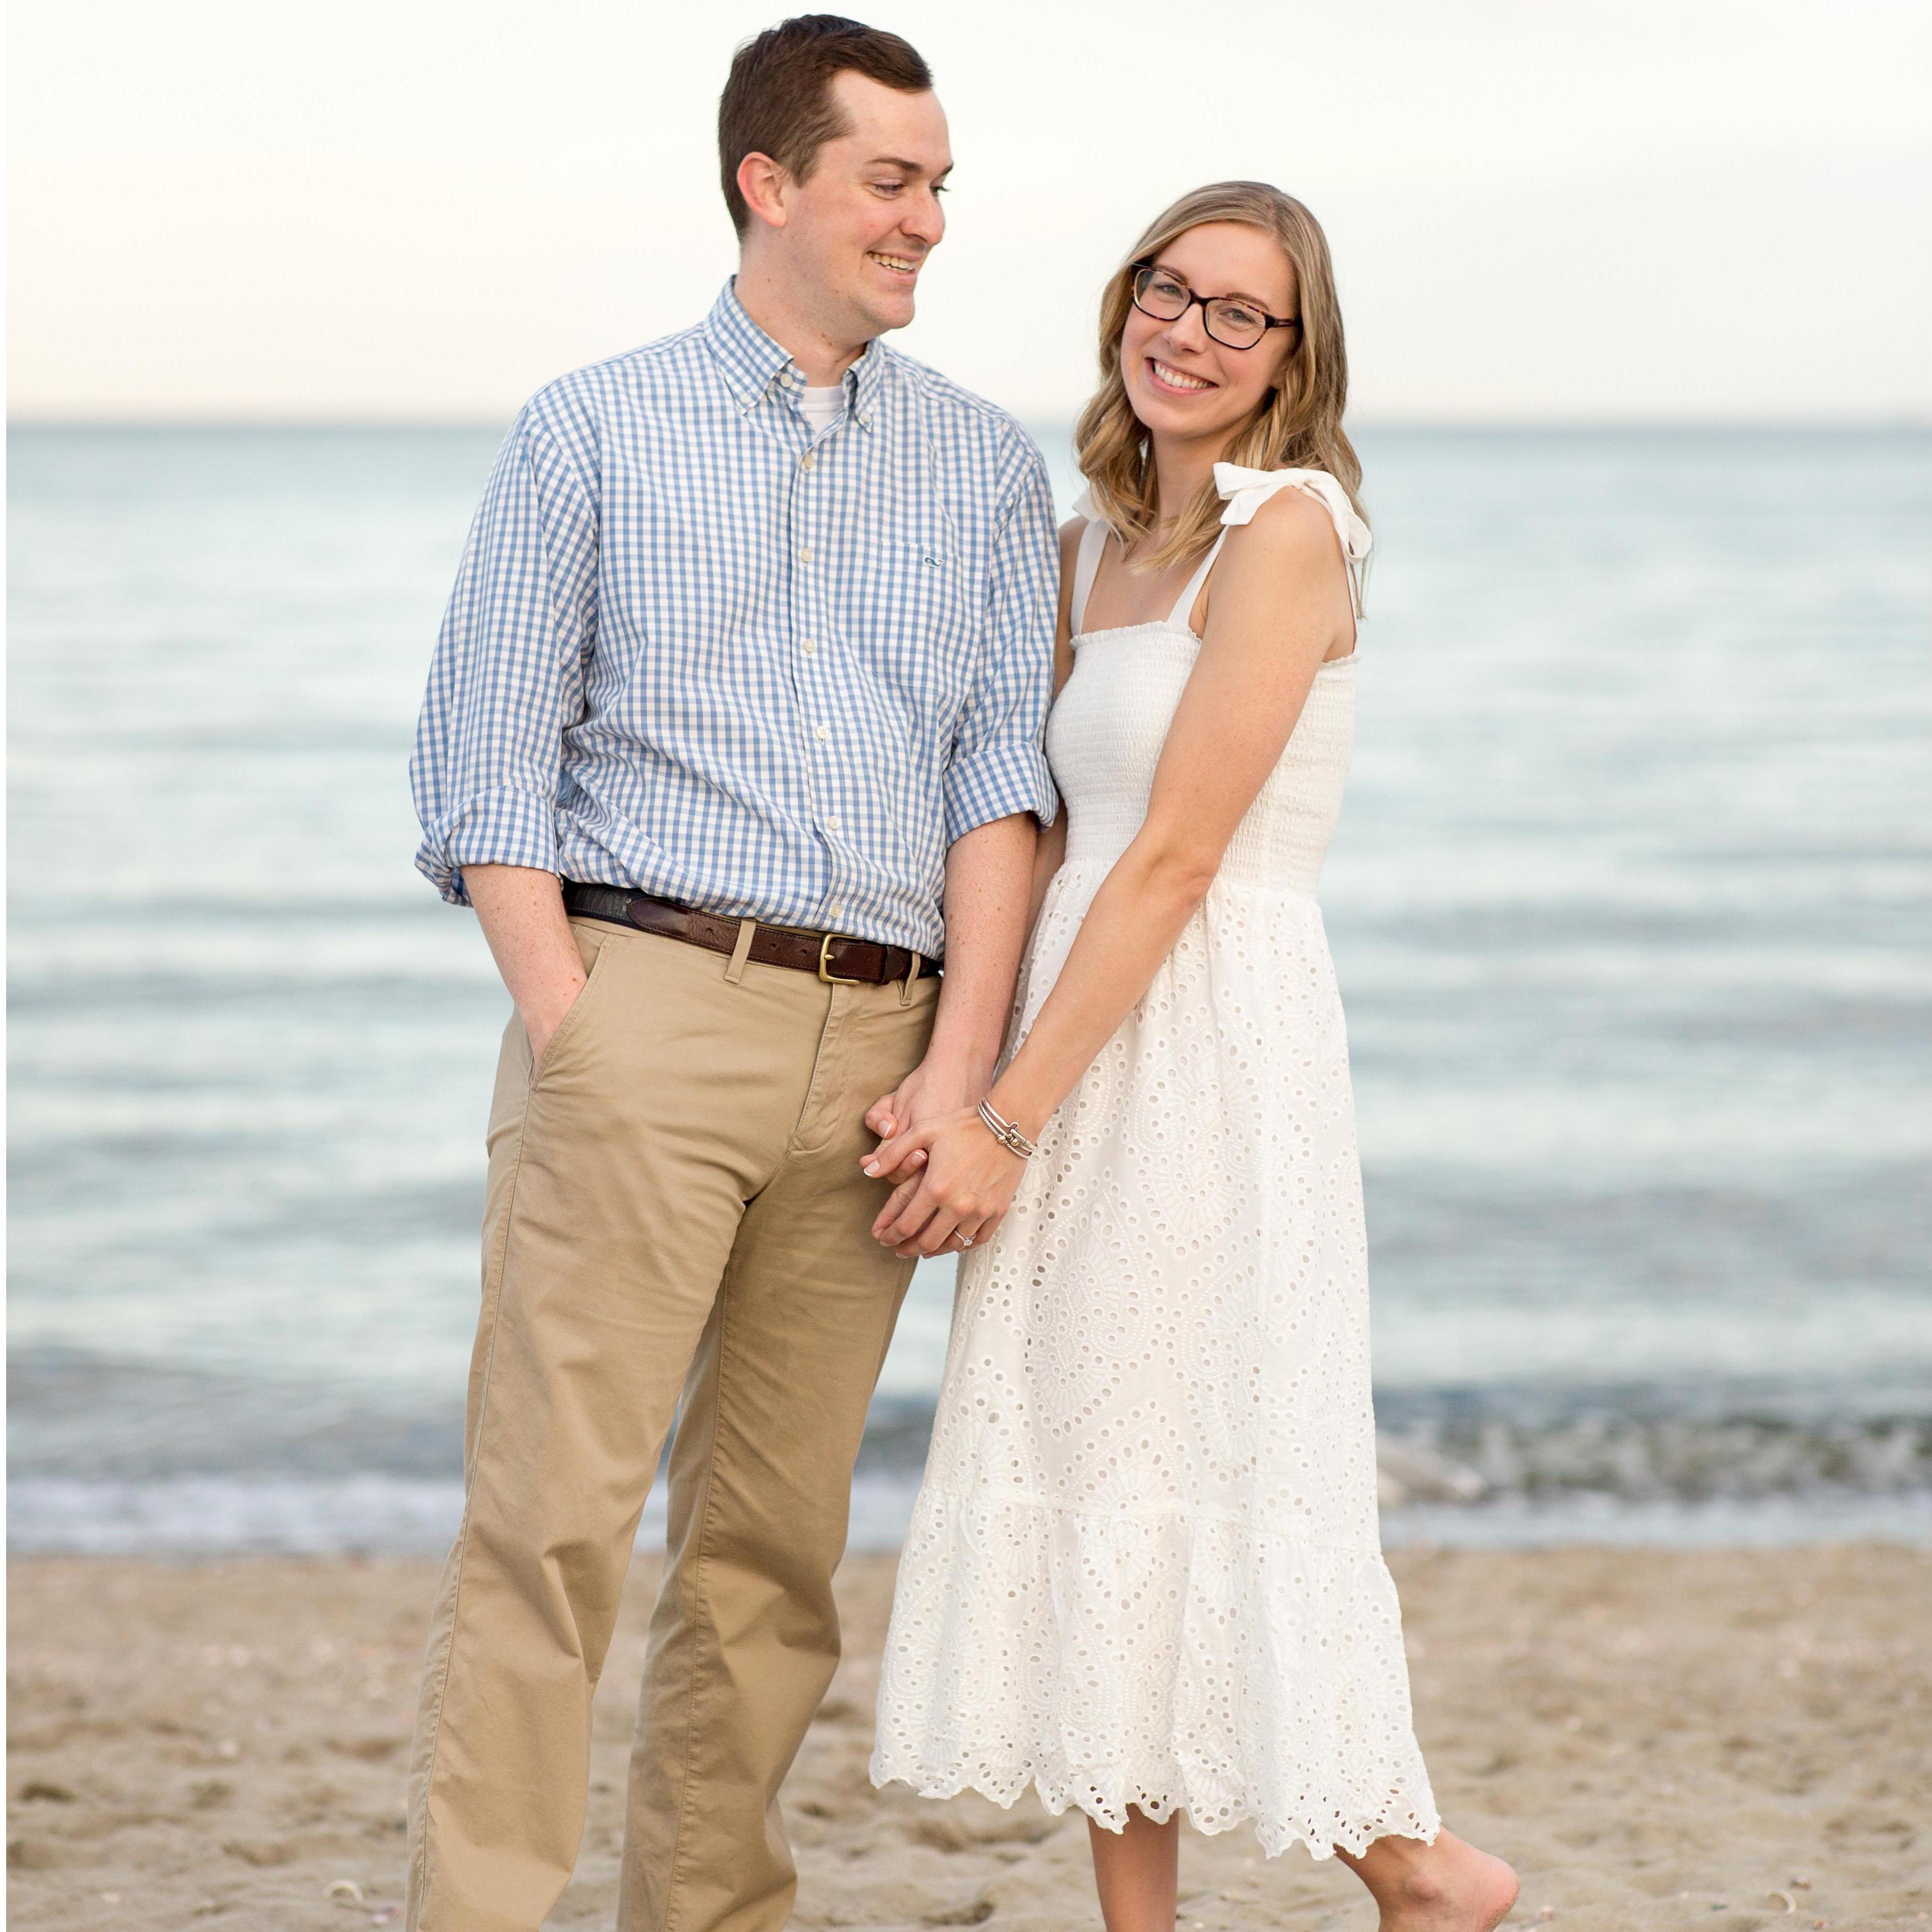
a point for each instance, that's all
(823, 732)
(837, 911)
(808, 645)
(748, 401)
(864, 418)
(806, 461)
(804, 555)
(832, 825)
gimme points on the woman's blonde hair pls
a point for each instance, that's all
(1300, 427)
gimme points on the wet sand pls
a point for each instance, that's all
(1656, 1739)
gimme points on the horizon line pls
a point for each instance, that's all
(1890, 421)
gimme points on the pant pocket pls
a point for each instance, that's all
(603, 956)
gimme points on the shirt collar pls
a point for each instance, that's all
(751, 363)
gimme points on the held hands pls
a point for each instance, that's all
(952, 1179)
(958, 1182)
(930, 1090)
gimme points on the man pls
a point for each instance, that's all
(733, 726)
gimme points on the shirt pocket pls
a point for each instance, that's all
(925, 606)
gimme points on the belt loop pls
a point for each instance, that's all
(905, 985)
(735, 972)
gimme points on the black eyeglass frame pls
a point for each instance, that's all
(1148, 266)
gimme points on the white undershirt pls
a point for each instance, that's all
(822, 406)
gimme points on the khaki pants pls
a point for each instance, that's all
(675, 1213)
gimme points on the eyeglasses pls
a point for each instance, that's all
(1232, 322)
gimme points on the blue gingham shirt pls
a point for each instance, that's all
(696, 650)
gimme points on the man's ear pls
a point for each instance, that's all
(762, 182)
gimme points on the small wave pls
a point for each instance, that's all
(121, 1458)
(1671, 1459)
(364, 1515)
(387, 1515)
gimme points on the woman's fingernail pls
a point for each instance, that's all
(871, 1167)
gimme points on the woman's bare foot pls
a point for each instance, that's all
(1448, 1886)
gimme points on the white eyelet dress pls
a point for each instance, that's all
(1144, 1568)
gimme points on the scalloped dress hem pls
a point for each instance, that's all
(1273, 1838)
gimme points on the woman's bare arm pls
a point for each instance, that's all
(1280, 605)
(1280, 601)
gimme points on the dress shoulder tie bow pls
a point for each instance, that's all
(1246, 491)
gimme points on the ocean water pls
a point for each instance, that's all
(1631, 905)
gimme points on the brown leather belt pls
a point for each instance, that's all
(836, 959)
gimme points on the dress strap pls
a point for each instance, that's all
(1184, 609)
(1246, 491)
(1087, 564)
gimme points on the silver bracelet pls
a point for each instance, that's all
(1004, 1131)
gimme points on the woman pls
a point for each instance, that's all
(1144, 1572)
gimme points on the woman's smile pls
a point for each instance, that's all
(1176, 382)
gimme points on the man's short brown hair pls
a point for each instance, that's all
(778, 102)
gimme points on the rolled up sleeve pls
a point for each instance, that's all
(506, 679)
(998, 765)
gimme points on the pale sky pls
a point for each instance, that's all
(421, 209)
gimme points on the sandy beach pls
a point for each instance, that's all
(1656, 1739)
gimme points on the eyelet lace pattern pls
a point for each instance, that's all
(1144, 1568)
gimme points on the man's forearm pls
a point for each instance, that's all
(1049, 855)
(988, 882)
(521, 912)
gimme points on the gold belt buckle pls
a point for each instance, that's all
(825, 973)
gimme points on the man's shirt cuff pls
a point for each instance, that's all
(994, 783)
(505, 827)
